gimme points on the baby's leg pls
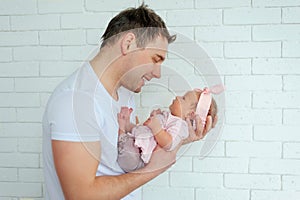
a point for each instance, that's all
(129, 157)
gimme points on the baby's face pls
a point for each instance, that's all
(184, 105)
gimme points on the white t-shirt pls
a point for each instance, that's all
(80, 109)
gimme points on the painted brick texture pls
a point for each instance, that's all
(255, 46)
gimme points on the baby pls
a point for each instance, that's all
(163, 128)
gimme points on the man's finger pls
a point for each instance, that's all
(199, 127)
(208, 125)
(215, 121)
(188, 121)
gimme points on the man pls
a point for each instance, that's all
(80, 121)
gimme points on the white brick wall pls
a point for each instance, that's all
(274, 3)
(4, 23)
(62, 37)
(252, 49)
(289, 49)
(19, 69)
(275, 195)
(290, 182)
(276, 32)
(65, 6)
(76, 21)
(17, 7)
(254, 149)
(196, 17)
(222, 194)
(223, 33)
(252, 16)
(35, 22)
(18, 38)
(222, 4)
(290, 15)
(255, 45)
(252, 181)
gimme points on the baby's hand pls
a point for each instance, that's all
(126, 111)
(153, 123)
(155, 112)
(124, 118)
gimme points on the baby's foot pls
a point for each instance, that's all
(124, 118)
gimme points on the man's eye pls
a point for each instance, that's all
(156, 60)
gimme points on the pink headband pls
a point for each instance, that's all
(205, 100)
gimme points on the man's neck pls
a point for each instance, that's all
(106, 66)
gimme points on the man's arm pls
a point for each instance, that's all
(76, 165)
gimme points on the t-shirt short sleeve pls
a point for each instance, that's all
(71, 117)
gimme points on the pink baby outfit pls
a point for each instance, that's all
(144, 139)
(136, 148)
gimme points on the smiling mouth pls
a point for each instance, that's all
(145, 80)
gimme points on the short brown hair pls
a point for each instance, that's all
(142, 21)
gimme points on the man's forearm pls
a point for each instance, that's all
(117, 187)
(76, 168)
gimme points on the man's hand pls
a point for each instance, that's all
(200, 131)
(161, 160)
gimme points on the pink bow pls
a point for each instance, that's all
(204, 102)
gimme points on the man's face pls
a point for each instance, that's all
(144, 64)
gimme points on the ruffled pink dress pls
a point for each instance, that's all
(145, 140)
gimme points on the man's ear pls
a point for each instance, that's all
(127, 42)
